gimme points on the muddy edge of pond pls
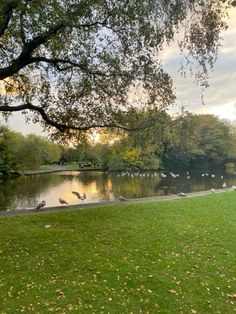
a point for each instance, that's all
(108, 203)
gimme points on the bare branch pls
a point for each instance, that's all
(65, 127)
(57, 61)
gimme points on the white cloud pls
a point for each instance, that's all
(17, 123)
(225, 111)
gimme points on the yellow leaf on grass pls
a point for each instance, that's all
(232, 295)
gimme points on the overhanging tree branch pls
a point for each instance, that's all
(66, 127)
(57, 61)
(25, 58)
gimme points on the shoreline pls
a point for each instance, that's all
(34, 172)
(81, 206)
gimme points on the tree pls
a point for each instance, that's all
(6, 162)
(199, 141)
(146, 146)
(72, 65)
(18, 152)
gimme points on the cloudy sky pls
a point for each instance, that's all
(220, 97)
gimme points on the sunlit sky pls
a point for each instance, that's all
(220, 97)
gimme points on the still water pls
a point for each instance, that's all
(28, 191)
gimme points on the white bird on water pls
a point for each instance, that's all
(41, 205)
(62, 201)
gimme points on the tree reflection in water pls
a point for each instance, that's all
(26, 192)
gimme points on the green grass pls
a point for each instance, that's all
(67, 166)
(167, 257)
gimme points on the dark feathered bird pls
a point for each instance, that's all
(80, 197)
(77, 194)
(63, 202)
(41, 205)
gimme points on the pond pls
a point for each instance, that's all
(27, 191)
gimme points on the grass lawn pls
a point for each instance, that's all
(167, 257)
(69, 166)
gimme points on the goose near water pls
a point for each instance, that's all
(62, 201)
(122, 198)
(80, 197)
(41, 205)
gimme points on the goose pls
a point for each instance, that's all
(80, 197)
(41, 205)
(224, 185)
(213, 190)
(122, 198)
(181, 194)
(234, 187)
(83, 197)
(77, 194)
(62, 201)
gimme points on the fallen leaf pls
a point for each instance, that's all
(232, 295)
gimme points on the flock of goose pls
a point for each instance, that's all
(139, 174)
(62, 201)
(162, 175)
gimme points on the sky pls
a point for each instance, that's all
(219, 98)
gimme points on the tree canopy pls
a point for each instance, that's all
(77, 65)
(18, 152)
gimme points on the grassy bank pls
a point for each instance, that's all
(168, 257)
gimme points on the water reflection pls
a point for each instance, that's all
(26, 192)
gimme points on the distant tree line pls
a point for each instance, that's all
(18, 152)
(188, 141)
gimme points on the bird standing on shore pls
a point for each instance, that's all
(122, 198)
(77, 194)
(41, 205)
(62, 201)
(181, 194)
(80, 197)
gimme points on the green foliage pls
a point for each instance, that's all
(229, 165)
(188, 141)
(51, 64)
(25, 153)
(199, 140)
(6, 162)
